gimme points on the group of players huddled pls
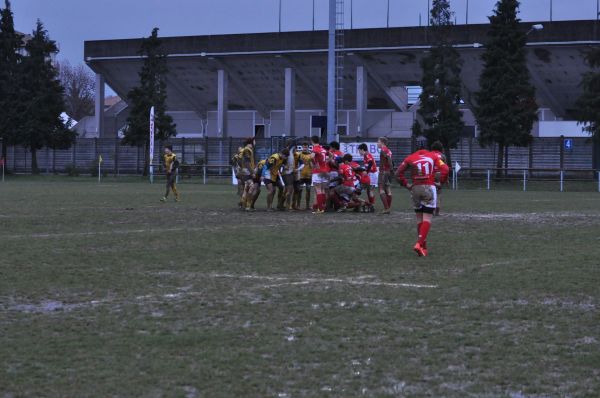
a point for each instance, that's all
(339, 181)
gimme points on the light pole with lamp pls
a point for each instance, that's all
(534, 28)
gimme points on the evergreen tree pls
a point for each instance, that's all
(152, 91)
(588, 104)
(441, 83)
(10, 43)
(506, 107)
(42, 98)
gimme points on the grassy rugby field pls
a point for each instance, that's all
(104, 291)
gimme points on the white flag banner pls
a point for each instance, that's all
(151, 134)
(457, 167)
(151, 154)
(234, 179)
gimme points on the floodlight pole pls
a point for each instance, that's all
(279, 16)
(388, 13)
(331, 111)
(313, 14)
(467, 14)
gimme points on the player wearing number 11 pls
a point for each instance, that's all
(423, 166)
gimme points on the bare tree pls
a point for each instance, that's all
(79, 84)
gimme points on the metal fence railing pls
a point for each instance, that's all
(527, 179)
(565, 180)
(82, 157)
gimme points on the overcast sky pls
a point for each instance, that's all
(71, 22)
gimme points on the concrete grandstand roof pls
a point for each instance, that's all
(255, 63)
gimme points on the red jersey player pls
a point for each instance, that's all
(335, 159)
(422, 165)
(347, 187)
(320, 175)
(370, 166)
(385, 174)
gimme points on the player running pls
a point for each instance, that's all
(171, 165)
(370, 167)
(386, 165)
(320, 175)
(422, 165)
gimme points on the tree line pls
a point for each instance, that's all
(505, 106)
(35, 90)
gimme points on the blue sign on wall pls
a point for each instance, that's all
(568, 143)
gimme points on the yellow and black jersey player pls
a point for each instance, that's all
(171, 163)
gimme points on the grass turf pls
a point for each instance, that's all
(105, 291)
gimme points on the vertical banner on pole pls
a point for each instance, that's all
(456, 170)
(151, 154)
(99, 168)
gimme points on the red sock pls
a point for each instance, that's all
(419, 229)
(372, 199)
(389, 200)
(322, 201)
(423, 231)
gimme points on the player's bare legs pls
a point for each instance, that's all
(270, 196)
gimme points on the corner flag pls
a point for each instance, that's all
(457, 167)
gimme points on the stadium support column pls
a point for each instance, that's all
(331, 111)
(99, 108)
(361, 100)
(290, 102)
(222, 103)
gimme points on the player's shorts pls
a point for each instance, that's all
(320, 178)
(385, 179)
(304, 181)
(374, 177)
(288, 180)
(424, 198)
(268, 181)
(333, 175)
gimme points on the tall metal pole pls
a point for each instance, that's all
(388, 13)
(331, 111)
(279, 16)
(352, 13)
(467, 14)
(550, 10)
(428, 13)
(313, 14)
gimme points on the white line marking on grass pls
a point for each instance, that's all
(305, 281)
